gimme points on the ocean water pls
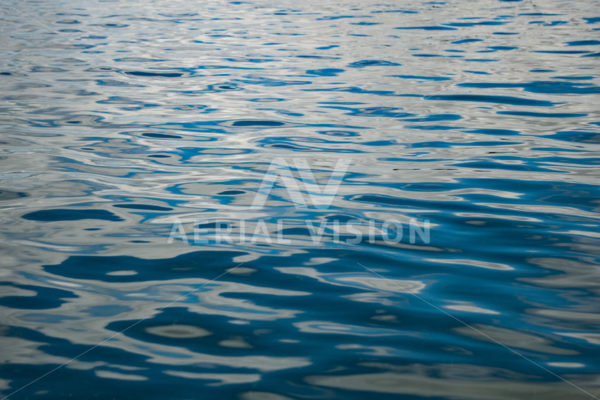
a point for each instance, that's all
(300, 199)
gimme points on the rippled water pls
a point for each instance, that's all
(128, 125)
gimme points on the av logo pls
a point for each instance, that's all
(303, 185)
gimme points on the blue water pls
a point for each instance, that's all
(144, 257)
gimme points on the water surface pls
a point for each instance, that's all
(120, 119)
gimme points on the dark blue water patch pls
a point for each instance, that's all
(332, 46)
(391, 142)
(257, 123)
(231, 192)
(420, 77)
(433, 55)
(560, 51)
(464, 41)
(343, 103)
(63, 214)
(549, 87)
(482, 60)
(542, 115)
(336, 17)
(491, 131)
(505, 33)
(196, 264)
(502, 48)
(45, 297)
(214, 225)
(539, 14)
(428, 28)
(492, 99)
(592, 55)
(267, 99)
(161, 135)
(155, 74)
(296, 231)
(363, 23)
(575, 78)
(424, 187)
(592, 20)
(317, 57)
(477, 72)
(372, 63)
(146, 207)
(583, 43)
(435, 117)
(477, 23)
(325, 71)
